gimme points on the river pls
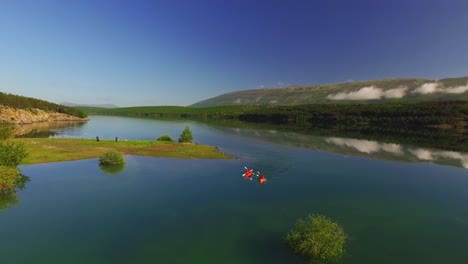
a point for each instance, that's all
(397, 203)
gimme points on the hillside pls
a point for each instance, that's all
(21, 110)
(389, 90)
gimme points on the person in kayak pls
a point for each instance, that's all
(248, 173)
(261, 179)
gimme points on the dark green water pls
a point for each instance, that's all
(406, 209)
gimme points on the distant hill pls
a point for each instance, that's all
(90, 105)
(388, 90)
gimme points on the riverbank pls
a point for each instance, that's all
(33, 115)
(43, 150)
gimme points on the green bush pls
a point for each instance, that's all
(8, 178)
(11, 154)
(6, 131)
(318, 238)
(111, 158)
(186, 135)
(165, 138)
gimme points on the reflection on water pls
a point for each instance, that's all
(8, 198)
(366, 146)
(370, 147)
(435, 155)
(357, 147)
(44, 129)
(112, 169)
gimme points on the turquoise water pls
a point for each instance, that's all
(160, 210)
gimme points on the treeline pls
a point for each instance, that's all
(28, 103)
(218, 112)
(451, 113)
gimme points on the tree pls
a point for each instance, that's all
(186, 135)
(318, 238)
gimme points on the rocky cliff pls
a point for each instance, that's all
(33, 115)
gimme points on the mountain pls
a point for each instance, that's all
(391, 90)
(90, 105)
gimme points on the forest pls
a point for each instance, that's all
(401, 114)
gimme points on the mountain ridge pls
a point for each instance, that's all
(395, 89)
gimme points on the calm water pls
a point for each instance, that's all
(398, 204)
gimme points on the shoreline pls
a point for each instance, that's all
(45, 150)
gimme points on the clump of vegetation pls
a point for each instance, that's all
(186, 136)
(112, 158)
(11, 154)
(6, 131)
(8, 178)
(318, 238)
(165, 138)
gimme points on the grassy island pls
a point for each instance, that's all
(43, 150)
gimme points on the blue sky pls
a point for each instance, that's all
(179, 52)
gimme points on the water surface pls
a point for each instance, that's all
(159, 210)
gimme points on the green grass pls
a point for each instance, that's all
(43, 150)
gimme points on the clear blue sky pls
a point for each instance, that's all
(179, 52)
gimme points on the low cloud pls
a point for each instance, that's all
(373, 93)
(429, 88)
(396, 93)
(370, 93)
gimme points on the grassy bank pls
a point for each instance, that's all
(42, 150)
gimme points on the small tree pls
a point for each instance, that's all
(11, 154)
(317, 237)
(112, 158)
(186, 135)
(6, 131)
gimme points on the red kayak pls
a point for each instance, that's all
(248, 173)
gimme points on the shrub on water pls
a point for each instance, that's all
(112, 158)
(165, 138)
(11, 154)
(186, 135)
(318, 238)
(8, 178)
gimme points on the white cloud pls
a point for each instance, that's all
(365, 93)
(370, 93)
(427, 88)
(457, 89)
(396, 93)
